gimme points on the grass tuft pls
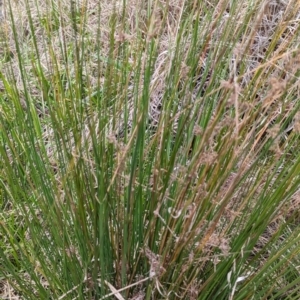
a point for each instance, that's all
(149, 150)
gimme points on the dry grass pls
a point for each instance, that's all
(7, 292)
(268, 33)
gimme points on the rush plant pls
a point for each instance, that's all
(149, 149)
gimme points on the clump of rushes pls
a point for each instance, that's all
(149, 150)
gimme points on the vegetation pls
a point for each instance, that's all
(149, 149)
